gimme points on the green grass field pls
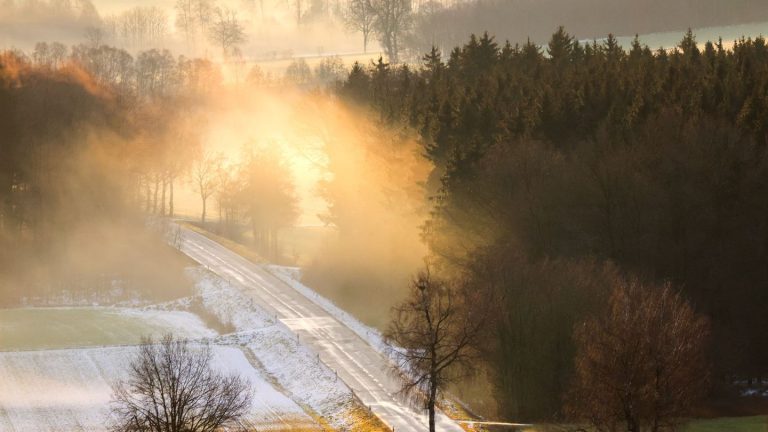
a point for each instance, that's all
(52, 328)
(729, 424)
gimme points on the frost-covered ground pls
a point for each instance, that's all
(57, 364)
(277, 352)
(69, 390)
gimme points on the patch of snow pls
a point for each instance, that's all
(181, 323)
(275, 349)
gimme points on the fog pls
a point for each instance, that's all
(352, 186)
(272, 29)
(69, 231)
(534, 178)
(359, 184)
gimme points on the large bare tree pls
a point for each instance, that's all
(206, 175)
(226, 31)
(641, 365)
(431, 338)
(359, 16)
(172, 387)
(393, 18)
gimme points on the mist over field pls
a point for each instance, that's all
(444, 215)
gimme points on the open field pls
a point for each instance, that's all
(48, 385)
(69, 390)
(57, 364)
(51, 328)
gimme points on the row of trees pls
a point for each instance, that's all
(169, 95)
(118, 136)
(78, 161)
(549, 162)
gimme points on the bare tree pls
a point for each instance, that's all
(41, 54)
(185, 20)
(57, 52)
(171, 387)
(392, 19)
(226, 31)
(431, 337)
(205, 174)
(641, 365)
(203, 14)
(95, 36)
(359, 16)
(299, 11)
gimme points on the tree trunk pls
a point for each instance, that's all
(149, 196)
(162, 196)
(154, 198)
(275, 252)
(170, 201)
(431, 405)
(221, 228)
(202, 218)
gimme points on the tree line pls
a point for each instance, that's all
(563, 172)
(94, 138)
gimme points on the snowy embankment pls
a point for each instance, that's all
(275, 350)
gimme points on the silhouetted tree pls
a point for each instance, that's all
(267, 196)
(205, 175)
(641, 365)
(359, 16)
(226, 31)
(172, 387)
(392, 18)
(432, 339)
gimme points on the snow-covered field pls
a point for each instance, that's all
(57, 365)
(69, 390)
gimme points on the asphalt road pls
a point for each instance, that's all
(358, 364)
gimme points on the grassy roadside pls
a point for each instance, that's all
(718, 424)
(730, 424)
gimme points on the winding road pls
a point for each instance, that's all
(365, 370)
